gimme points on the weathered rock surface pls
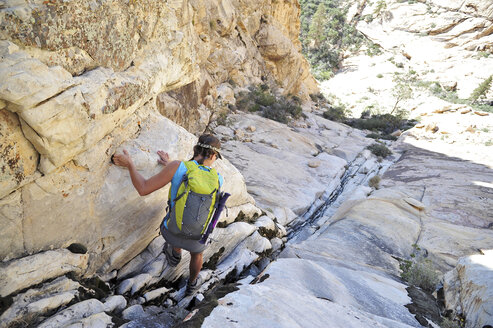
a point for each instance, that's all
(83, 311)
(277, 157)
(75, 90)
(35, 302)
(469, 291)
(292, 288)
(31, 270)
(448, 42)
(19, 158)
(98, 200)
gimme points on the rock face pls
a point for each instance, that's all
(468, 289)
(448, 42)
(273, 157)
(83, 80)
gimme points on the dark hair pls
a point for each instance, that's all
(207, 139)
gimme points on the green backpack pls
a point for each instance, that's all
(195, 202)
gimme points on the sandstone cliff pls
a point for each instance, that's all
(80, 79)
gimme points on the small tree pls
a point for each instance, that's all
(317, 26)
(481, 90)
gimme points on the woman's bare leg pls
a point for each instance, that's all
(195, 265)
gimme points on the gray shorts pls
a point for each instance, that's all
(193, 246)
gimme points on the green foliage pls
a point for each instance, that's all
(374, 135)
(323, 75)
(481, 90)
(282, 111)
(337, 113)
(325, 35)
(383, 123)
(373, 49)
(402, 88)
(223, 119)
(379, 8)
(379, 150)
(379, 75)
(420, 272)
(451, 96)
(374, 182)
(447, 323)
(261, 99)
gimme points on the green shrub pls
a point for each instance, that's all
(420, 272)
(282, 111)
(373, 49)
(384, 123)
(380, 7)
(337, 114)
(260, 99)
(447, 323)
(317, 97)
(481, 90)
(374, 182)
(379, 150)
(323, 75)
(374, 135)
(379, 75)
(325, 34)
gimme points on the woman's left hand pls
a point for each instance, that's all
(122, 159)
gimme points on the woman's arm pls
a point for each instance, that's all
(146, 186)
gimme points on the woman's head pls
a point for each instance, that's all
(206, 147)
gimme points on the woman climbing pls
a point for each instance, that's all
(191, 202)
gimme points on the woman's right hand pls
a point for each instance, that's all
(122, 159)
(163, 158)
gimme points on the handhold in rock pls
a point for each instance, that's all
(251, 128)
(415, 203)
(77, 248)
(314, 164)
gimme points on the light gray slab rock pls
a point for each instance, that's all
(115, 303)
(278, 156)
(370, 232)
(73, 314)
(35, 302)
(222, 242)
(50, 303)
(292, 289)
(98, 320)
(153, 294)
(276, 244)
(133, 312)
(19, 274)
(469, 289)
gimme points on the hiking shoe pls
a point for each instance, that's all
(172, 257)
(193, 288)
